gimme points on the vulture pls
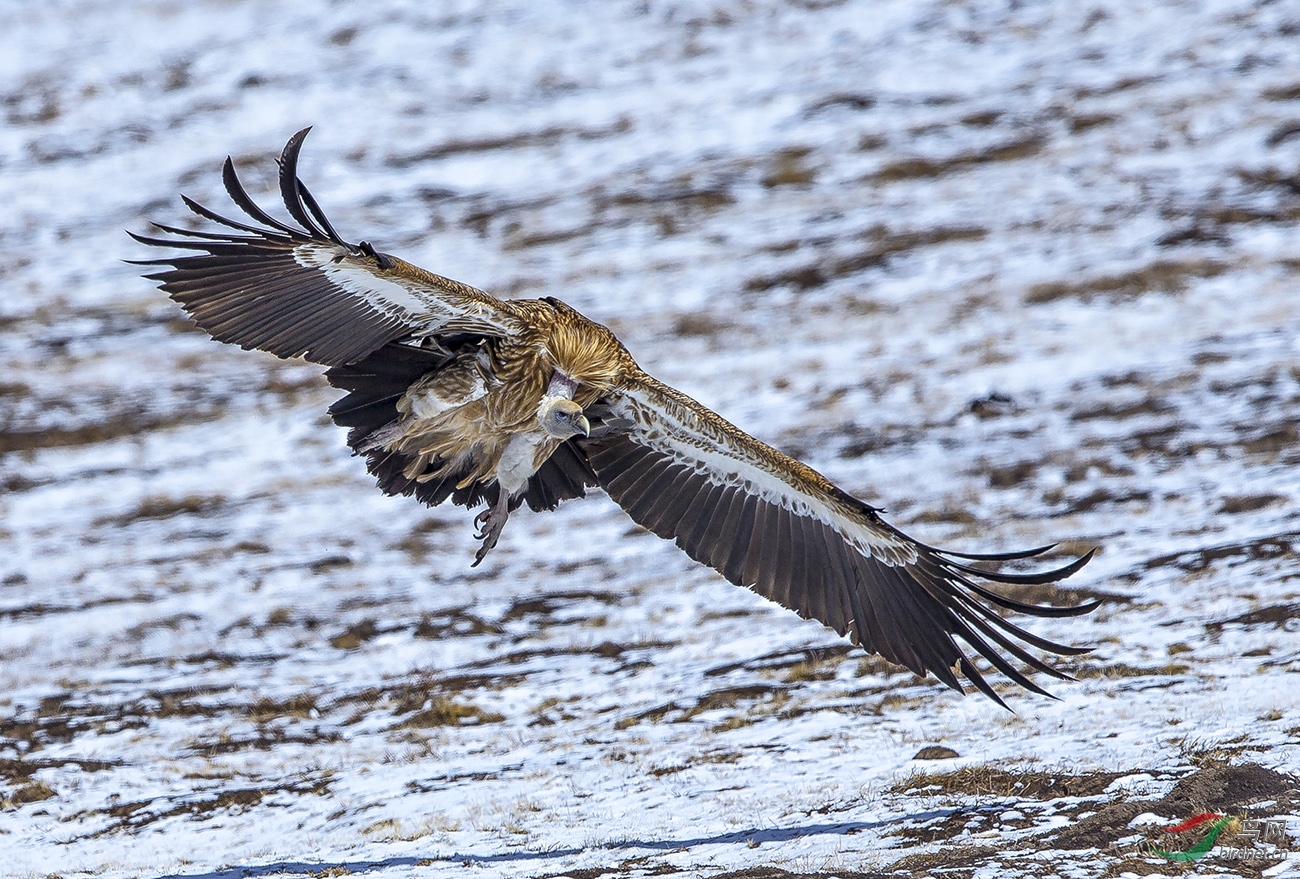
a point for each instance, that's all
(453, 394)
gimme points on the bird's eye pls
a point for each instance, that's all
(562, 416)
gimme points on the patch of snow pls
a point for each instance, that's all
(1017, 274)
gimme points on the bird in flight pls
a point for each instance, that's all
(455, 394)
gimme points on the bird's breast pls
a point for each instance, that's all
(521, 457)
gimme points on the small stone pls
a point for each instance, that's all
(935, 752)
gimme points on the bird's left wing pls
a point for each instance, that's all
(304, 291)
(774, 525)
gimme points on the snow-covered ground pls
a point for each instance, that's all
(1019, 273)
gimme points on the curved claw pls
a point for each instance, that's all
(482, 552)
(490, 522)
(489, 538)
(481, 523)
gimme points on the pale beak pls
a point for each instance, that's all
(583, 425)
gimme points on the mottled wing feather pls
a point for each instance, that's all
(377, 382)
(771, 524)
(304, 291)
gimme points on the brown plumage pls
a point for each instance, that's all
(454, 394)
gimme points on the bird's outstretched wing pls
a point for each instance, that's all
(772, 524)
(304, 291)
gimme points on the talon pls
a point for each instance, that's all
(482, 522)
(489, 539)
(490, 522)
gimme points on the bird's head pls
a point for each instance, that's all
(562, 418)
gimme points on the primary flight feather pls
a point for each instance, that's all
(454, 394)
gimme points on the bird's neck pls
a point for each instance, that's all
(561, 386)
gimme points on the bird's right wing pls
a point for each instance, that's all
(770, 523)
(304, 291)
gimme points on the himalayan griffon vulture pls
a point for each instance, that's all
(454, 394)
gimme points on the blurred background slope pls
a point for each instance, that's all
(1017, 273)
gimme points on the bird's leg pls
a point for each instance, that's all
(490, 522)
